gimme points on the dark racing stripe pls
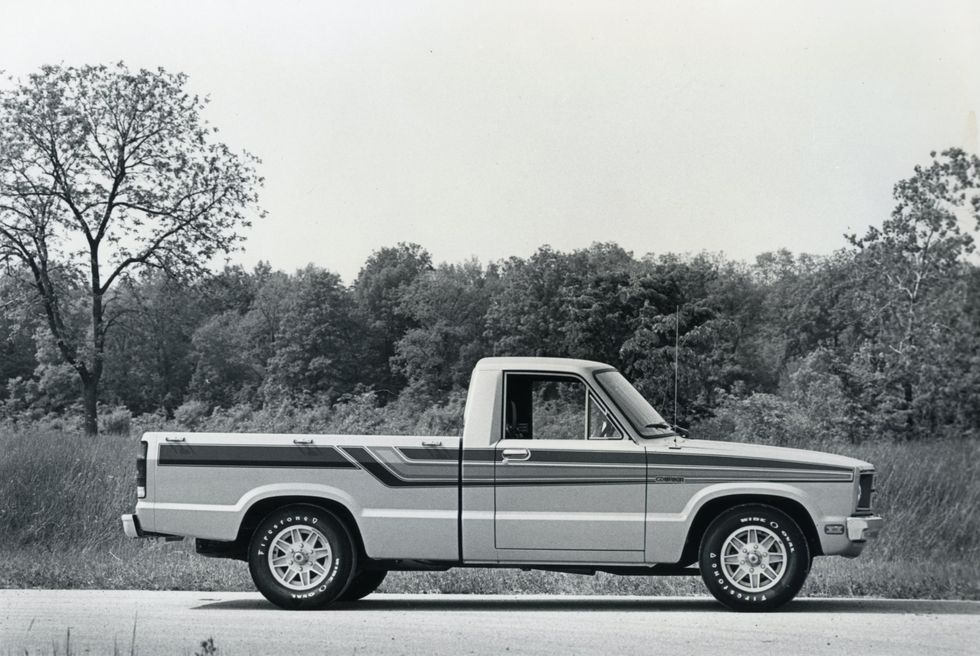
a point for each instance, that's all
(370, 463)
(697, 460)
(559, 456)
(305, 457)
(562, 456)
(428, 453)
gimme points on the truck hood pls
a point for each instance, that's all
(737, 449)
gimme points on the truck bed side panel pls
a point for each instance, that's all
(402, 493)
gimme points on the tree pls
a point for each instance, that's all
(148, 355)
(382, 282)
(909, 277)
(318, 343)
(715, 347)
(225, 371)
(103, 172)
(543, 304)
(449, 306)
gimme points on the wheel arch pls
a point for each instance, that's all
(260, 508)
(713, 507)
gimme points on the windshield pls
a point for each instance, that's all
(646, 420)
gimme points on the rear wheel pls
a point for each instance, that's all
(301, 557)
(754, 557)
(363, 584)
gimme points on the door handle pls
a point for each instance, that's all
(175, 438)
(432, 443)
(516, 454)
(303, 440)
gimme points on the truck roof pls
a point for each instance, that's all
(540, 364)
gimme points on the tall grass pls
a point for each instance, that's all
(61, 495)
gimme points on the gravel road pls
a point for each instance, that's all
(99, 622)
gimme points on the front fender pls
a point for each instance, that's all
(667, 532)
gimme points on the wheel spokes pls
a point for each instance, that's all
(753, 558)
(300, 557)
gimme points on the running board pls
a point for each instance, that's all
(626, 570)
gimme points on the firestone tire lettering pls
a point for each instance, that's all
(797, 563)
(341, 567)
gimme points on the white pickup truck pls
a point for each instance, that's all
(562, 466)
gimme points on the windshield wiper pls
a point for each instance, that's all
(674, 428)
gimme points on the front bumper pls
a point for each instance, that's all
(860, 529)
(132, 529)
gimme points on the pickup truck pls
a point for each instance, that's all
(562, 466)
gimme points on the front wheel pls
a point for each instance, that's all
(301, 557)
(754, 558)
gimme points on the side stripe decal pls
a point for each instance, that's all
(207, 455)
(365, 459)
(419, 467)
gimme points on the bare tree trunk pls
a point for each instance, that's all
(90, 398)
(907, 405)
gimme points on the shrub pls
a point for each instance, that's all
(117, 420)
(191, 414)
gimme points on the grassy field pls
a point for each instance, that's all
(61, 495)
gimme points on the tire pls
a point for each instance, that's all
(363, 584)
(754, 558)
(301, 557)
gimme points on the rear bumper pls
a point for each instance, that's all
(132, 529)
(131, 526)
(860, 529)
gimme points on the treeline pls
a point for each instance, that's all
(116, 194)
(877, 340)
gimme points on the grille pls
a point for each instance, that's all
(866, 487)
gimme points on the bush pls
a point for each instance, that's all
(764, 419)
(191, 414)
(117, 421)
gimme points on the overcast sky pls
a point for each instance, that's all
(490, 128)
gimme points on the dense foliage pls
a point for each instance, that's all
(879, 339)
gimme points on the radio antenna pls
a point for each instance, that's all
(677, 332)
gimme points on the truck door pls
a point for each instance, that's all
(566, 479)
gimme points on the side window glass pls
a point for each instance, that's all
(601, 426)
(545, 408)
(559, 409)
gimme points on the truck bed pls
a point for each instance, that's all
(196, 487)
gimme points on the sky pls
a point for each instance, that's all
(487, 129)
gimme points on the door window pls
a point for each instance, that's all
(553, 407)
(601, 427)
